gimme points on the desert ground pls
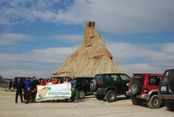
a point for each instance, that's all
(88, 107)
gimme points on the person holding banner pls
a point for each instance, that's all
(59, 81)
(66, 80)
(33, 88)
(54, 81)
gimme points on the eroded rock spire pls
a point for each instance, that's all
(90, 58)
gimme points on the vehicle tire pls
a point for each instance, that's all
(170, 105)
(81, 94)
(135, 101)
(154, 102)
(135, 87)
(111, 96)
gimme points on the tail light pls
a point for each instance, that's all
(145, 91)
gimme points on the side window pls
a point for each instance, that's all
(115, 78)
(154, 80)
(124, 77)
(107, 77)
(85, 81)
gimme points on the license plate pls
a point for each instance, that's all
(163, 88)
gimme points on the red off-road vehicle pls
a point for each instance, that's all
(145, 88)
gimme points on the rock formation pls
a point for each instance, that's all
(91, 58)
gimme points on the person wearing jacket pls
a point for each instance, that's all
(75, 95)
(27, 91)
(18, 85)
(33, 88)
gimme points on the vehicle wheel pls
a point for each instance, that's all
(170, 105)
(111, 96)
(81, 94)
(154, 102)
(135, 87)
(136, 101)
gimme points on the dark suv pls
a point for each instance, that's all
(83, 86)
(109, 85)
(167, 89)
(145, 88)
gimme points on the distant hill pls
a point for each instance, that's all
(3, 82)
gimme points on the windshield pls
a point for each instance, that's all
(98, 77)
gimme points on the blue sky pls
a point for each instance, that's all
(37, 35)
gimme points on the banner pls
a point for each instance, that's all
(53, 92)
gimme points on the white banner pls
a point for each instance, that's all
(53, 92)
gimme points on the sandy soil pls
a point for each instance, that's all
(89, 107)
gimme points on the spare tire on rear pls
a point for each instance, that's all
(170, 83)
(93, 85)
(135, 87)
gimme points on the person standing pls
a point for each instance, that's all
(75, 95)
(33, 88)
(10, 83)
(18, 85)
(27, 90)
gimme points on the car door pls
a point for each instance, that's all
(81, 83)
(87, 84)
(116, 81)
(125, 79)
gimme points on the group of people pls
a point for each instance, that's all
(53, 80)
(27, 89)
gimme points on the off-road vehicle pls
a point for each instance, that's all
(109, 85)
(145, 88)
(167, 89)
(83, 86)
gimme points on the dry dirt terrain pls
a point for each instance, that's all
(89, 107)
